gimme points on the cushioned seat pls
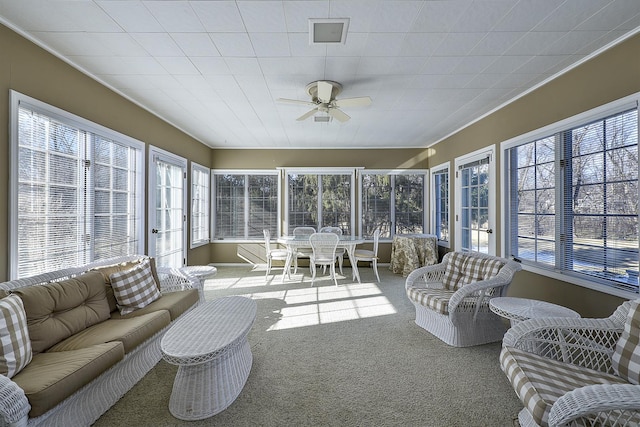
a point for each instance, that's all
(176, 303)
(52, 377)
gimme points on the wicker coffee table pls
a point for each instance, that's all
(209, 345)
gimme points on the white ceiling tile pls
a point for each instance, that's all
(99, 64)
(141, 65)
(570, 14)
(298, 13)
(263, 16)
(158, 44)
(335, 66)
(132, 16)
(175, 16)
(457, 44)
(496, 43)
(526, 14)
(375, 65)
(353, 46)
(441, 64)
(211, 65)
(384, 44)
(616, 11)
(439, 16)
(406, 65)
(195, 44)
(77, 44)
(359, 12)
(397, 16)
(291, 66)
(177, 65)
(233, 44)
(120, 44)
(571, 42)
(299, 46)
(533, 43)
(243, 66)
(473, 64)
(421, 44)
(219, 16)
(483, 15)
(507, 64)
(270, 44)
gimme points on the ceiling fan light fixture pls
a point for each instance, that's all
(322, 119)
(328, 31)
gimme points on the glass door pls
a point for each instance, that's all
(167, 208)
(476, 204)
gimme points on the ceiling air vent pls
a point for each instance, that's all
(328, 31)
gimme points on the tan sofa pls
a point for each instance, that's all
(85, 353)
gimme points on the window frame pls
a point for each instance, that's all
(593, 115)
(196, 241)
(246, 172)
(16, 100)
(320, 171)
(440, 169)
(395, 172)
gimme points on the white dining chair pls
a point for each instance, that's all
(275, 253)
(339, 251)
(324, 253)
(303, 252)
(369, 256)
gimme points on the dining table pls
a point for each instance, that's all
(294, 243)
(411, 251)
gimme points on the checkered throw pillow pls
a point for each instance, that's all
(15, 345)
(135, 288)
(626, 357)
(454, 270)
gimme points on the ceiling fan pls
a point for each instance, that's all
(323, 98)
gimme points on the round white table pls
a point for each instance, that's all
(519, 309)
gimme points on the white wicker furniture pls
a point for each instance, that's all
(339, 251)
(518, 309)
(459, 315)
(369, 256)
(90, 402)
(561, 369)
(274, 254)
(210, 346)
(324, 253)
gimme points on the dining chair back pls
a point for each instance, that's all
(274, 253)
(303, 252)
(339, 251)
(370, 256)
(324, 253)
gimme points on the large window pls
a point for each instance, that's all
(318, 198)
(200, 181)
(246, 202)
(440, 203)
(76, 190)
(392, 202)
(573, 198)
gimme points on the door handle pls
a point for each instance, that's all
(489, 231)
(154, 230)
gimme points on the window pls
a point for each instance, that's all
(440, 203)
(76, 190)
(245, 204)
(318, 198)
(573, 198)
(393, 202)
(199, 205)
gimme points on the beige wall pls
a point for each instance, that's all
(612, 75)
(28, 69)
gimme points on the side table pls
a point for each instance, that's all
(519, 309)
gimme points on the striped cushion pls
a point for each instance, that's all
(540, 381)
(134, 288)
(435, 299)
(626, 357)
(454, 270)
(15, 345)
(491, 267)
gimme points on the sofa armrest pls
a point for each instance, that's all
(428, 277)
(583, 342)
(609, 404)
(174, 279)
(14, 406)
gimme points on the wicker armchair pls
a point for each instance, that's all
(561, 369)
(452, 298)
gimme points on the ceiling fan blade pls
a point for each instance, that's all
(338, 115)
(295, 101)
(324, 91)
(362, 101)
(307, 115)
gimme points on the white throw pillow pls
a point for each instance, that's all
(134, 288)
(626, 357)
(15, 345)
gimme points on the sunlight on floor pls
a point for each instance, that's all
(321, 304)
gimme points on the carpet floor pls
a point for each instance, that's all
(338, 356)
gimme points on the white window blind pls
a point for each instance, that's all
(74, 193)
(200, 195)
(440, 183)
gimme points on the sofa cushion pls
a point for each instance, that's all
(175, 303)
(53, 376)
(108, 270)
(454, 270)
(626, 357)
(436, 299)
(57, 310)
(131, 332)
(539, 381)
(463, 269)
(134, 288)
(15, 346)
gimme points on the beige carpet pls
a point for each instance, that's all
(345, 356)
